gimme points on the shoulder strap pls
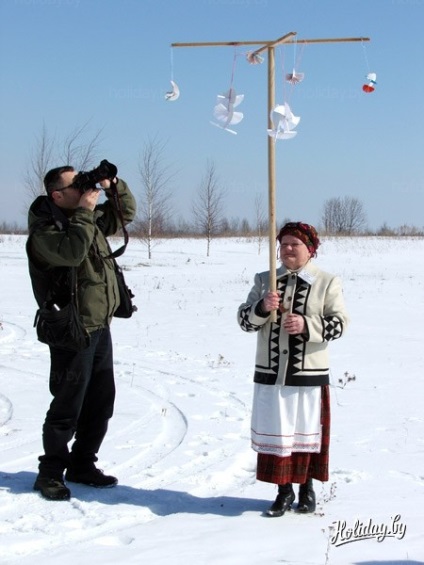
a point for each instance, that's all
(118, 252)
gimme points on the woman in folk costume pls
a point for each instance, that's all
(291, 401)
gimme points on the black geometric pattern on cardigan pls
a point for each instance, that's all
(245, 324)
(297, 343)
(332, 328)
(274, 334)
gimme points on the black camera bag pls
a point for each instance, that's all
(62, 327)
(126, 308)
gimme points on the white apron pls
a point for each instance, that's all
(286, 419)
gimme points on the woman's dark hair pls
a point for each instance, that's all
(53, 181)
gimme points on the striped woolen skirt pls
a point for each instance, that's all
(299, 467)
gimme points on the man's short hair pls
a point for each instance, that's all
(53, 180)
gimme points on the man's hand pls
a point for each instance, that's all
(89, 199)
(106, 183)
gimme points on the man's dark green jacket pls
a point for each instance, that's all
(81, 242)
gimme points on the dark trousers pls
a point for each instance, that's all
(83, 388)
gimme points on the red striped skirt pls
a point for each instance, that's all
(299, 467)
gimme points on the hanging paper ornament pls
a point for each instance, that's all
(174, 94)
(254, 58)
(294, 77)
(284, 122)
(372, 81)
(282, 118)
(371, 77)
(224, 110)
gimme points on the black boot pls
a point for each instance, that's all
(307, 501)
(90, 476)
(52, 488)
(283, 502)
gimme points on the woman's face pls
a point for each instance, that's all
(293, 252)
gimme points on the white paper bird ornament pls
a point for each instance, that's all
(283, 121)
(174, 94)
(224, 110)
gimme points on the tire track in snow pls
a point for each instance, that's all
(18, 438)
(162, 438)
(10, 332)
(6, 410)
(201, 450)
(158, 432)
(166, 425)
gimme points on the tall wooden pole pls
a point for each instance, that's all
(272, 219)
(269, 46)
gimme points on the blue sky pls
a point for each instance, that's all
(107, 62)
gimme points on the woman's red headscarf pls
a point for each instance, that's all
(304, 232)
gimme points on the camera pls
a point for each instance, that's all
(84, 181)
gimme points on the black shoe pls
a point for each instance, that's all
(283, 502)
(52, 489)
(92, 477)
(307, 502)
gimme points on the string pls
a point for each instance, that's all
(287, 90)
(294, 54)
(171, 63)
(300, 56)
(283, 71)
(233, 70)
(297, 56)
(364, 50)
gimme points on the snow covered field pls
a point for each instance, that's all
(179, 439)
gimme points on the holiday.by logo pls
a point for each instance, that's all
(341, 534)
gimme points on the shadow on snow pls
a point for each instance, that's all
(161, 502)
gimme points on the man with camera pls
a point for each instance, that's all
(70, 263)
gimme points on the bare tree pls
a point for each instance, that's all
(235, 225)
(47, 153)
(261, 222)
(245, 229)
(225, 227)
(155, 207)
(343, 215)
(41, 162)
(78, 154)
(207, 207)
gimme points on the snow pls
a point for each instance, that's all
(179, 439)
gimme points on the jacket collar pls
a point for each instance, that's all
(307, 273)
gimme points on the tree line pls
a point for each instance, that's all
(343, 216)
